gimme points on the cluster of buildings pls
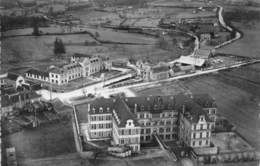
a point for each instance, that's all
(80, 65)
(15, 93)
(133, 121)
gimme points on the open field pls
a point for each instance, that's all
(45, 141)
(247, 21)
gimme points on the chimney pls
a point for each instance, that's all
(135, 110)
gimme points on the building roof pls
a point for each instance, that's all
(12, 76)
(206, 151)
(125, 108)
(38, 72)
(64, 68)
(78, 55)
(189, 60)
(204, 100)
(160, 69)
(10, 99)
(123, 113)
(192, 112)
(203, 53)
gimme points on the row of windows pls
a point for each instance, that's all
(134, 140)
(74, 76)
(200, 143)
(129, 131)
(101, 118)
(101, 134)
(201, 127)
(162, 115)
(200, 135)
(164, 137)
(159, 123)
(101, 126)
(161, 130)
(37, 76)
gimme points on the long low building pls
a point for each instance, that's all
(191, 60)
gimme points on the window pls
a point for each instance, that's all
(194, 135)
(207, 142)
(200, 135)
(207, 134)
(148, 131)
(193, 143)
(200, 142)
(201, 126)
(161, 130)
(148, 138)
(148, 124)
(168, 129)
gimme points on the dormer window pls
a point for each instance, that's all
(202, 118)
(142, 107)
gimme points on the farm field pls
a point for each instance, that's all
(248, 46)
(248, 22)
(46, 141)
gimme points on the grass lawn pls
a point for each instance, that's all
(248, 46)
(45, 141)
(247, 20)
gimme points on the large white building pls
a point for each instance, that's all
(132, 121)
(81, 65)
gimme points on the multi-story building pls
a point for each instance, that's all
(91, 64)
(64, 74)
(80, 66)
(134, 120)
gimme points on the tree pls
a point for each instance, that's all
(59, 47)
(35, 25)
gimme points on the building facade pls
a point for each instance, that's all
(132, 121)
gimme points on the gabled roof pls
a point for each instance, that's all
(160, 69)
(123, 113)
(12, 76)
(192, 112)
(191, 61)
(38, 72)
(203, 53)
(204, 100)
(125, 108)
